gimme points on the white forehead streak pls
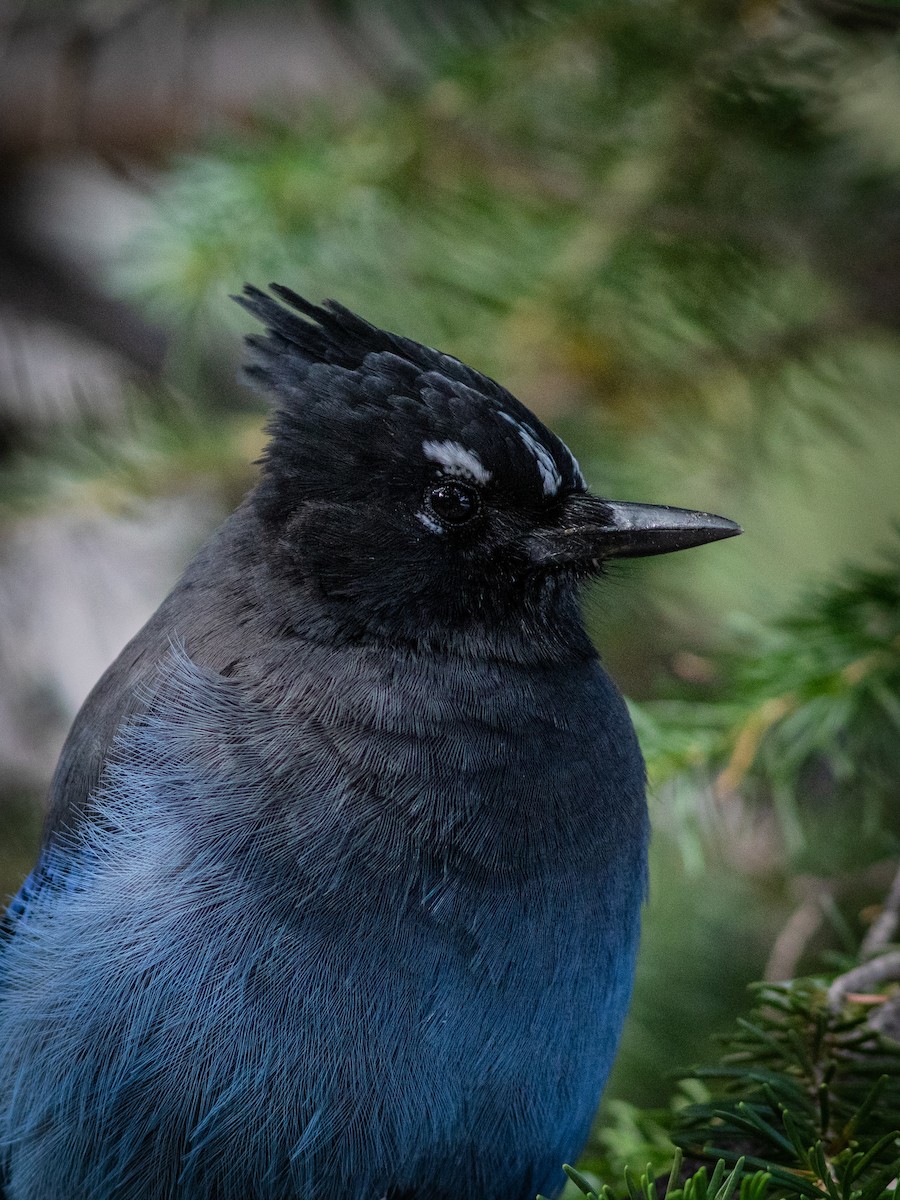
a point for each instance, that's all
(457, 460)
(547, 468)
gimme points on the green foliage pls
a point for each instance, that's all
(805, 717)
(636, 209)
(697, 1186)
(808, 1092)
(629, 1138)
(152, 450)
(805, 1102)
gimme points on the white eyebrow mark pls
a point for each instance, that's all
(547, 468)
(457, 460)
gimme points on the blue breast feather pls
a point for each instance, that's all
(324, 941)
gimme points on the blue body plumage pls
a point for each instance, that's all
(329, 1016)
(341, 886)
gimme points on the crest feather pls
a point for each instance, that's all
(328, 334)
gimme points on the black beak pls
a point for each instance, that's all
(590, 529)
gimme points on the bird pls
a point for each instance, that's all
(340, 887)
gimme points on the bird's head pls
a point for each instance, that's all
(418, 502)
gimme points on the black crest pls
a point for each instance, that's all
(328, 334)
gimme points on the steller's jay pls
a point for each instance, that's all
(339, 894)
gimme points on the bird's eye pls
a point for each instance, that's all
(453, 503)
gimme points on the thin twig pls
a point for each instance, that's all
(802, 925)
(886, 924)
(863, 979)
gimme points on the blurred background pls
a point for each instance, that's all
(672, 228)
